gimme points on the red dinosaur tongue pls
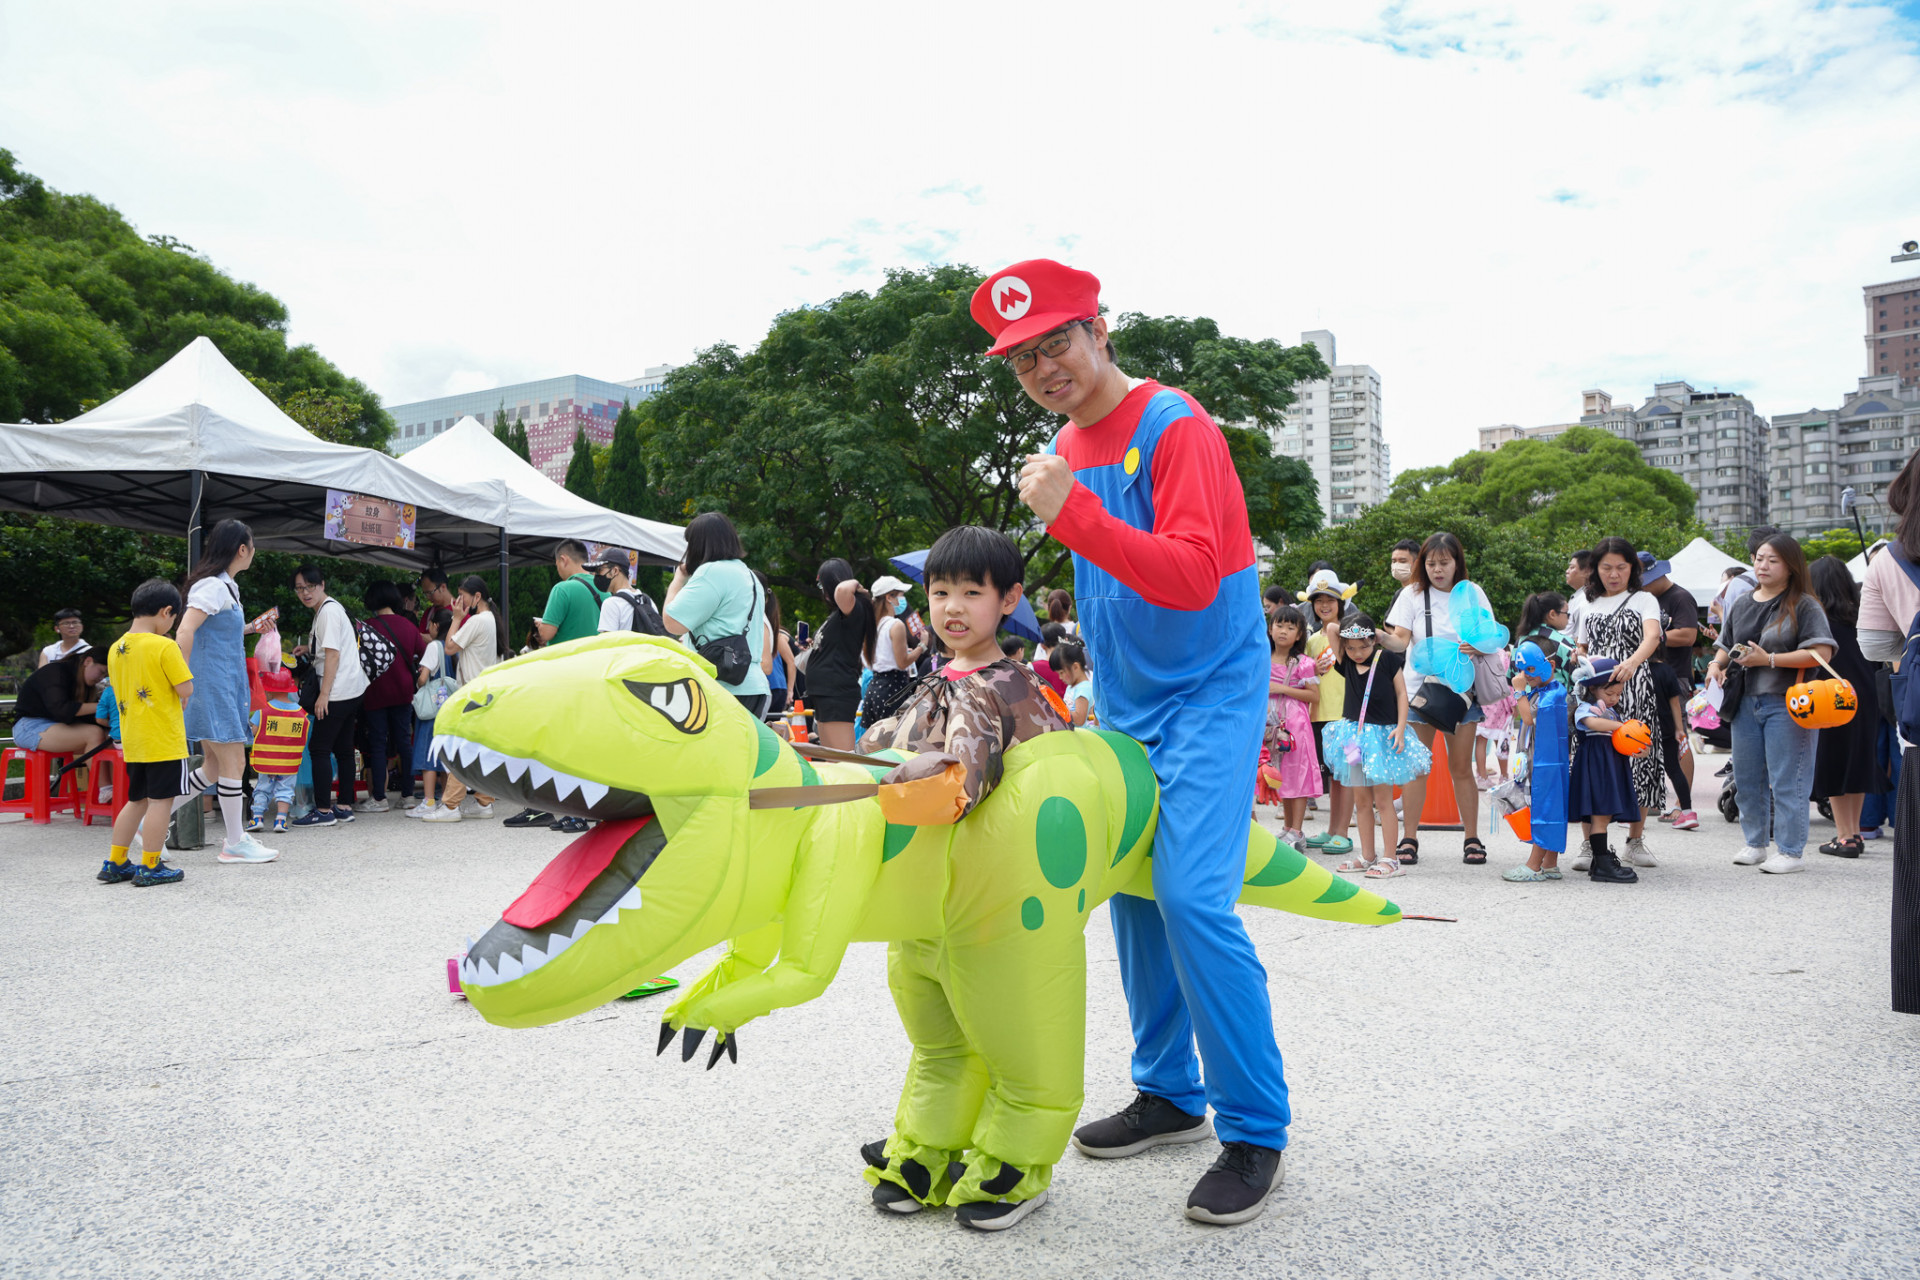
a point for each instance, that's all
(568, 875)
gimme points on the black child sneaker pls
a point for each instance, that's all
(1148, 1121)
(529, 818)
(1235, 1190)
(998, 1215)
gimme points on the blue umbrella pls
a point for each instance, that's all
(1021, 621)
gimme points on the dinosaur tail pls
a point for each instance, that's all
(1281, 877)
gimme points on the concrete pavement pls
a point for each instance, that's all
(259, 1072)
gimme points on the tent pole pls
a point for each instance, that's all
(505, 608)
(198, 492)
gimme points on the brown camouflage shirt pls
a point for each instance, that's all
(972, 720)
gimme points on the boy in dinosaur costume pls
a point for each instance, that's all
(712, 829)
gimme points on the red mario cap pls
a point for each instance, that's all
(280, 681)
(1030, 298)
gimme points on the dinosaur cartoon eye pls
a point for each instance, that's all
(682, 702)
(475, 706)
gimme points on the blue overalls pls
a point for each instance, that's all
(1192, 687)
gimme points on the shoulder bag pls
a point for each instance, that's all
(431, 696)
(732, 656)
(1438, 705)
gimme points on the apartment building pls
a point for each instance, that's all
(1863, 444)
(1335, 426)
(1711, 439)
(1893, 330)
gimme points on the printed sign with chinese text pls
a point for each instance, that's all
(373, 522)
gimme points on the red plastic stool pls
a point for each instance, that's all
(36, 800)
(109, 765)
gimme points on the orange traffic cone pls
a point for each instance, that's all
(1440, 812)
(797, 723)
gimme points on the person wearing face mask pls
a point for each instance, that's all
(1405, 552)
(894, 653)
(626, 608)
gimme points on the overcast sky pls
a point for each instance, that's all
(1496, 206)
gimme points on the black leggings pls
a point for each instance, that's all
(1670, 752)
(331, 741)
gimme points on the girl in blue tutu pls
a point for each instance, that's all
(1370, 749)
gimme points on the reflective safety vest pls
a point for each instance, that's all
(281, 742)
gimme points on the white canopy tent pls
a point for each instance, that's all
(1858, 565)
(1700, 568)
(194, 442)
(468, 453)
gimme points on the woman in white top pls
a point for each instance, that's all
(1425, 607)
(1622, 622)
(893, 656)
(478, 640)
(213, 641)
(335, 649)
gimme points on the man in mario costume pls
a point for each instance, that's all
(1140, 487)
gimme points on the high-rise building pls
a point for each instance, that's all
(1862, 445)
(1334, 426)
(1711, 439)
(1893, 330)
(553, 409)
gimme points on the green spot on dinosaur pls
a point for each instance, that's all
(1081, 905)
(1339, 891)
(1283, 866)
(809, 776)
(1032, 914)
(898, 838)
(769, 743)
(1060, 835)
(1142, 788)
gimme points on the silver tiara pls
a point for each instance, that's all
(1355, 631)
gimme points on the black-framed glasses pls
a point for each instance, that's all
(1053, 346)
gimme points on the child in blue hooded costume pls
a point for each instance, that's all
(1139, 485)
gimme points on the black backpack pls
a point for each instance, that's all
(646, 615)
(1906, 681)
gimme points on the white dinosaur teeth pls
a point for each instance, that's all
(564, 784)
(484, 974)
(629, 901)
(581, 928)
(558, 942)
(469, 751)
(442, 743)
(531, 958)
(537, 773)
(516, 765)
(491, 759)
(593, 792)
(509, 968)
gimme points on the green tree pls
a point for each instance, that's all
(625, 487)
(88, 307)
(1841, 543)
(502, 429)
(519, 442)
(579, 479)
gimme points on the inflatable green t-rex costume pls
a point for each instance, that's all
(985, 917)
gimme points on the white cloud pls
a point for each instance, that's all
(1495, 205)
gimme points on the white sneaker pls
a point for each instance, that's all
(372, 806)
(247, 849)
(471, 808)
(1780, 864)
(1583, 860)
(421, 810)
(1637, 854)
(1750, 856)
(442, 814)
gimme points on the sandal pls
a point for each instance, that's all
(1851, 847)
(1385, 869)
(1407, 853)
(1473, 852)
(1354, 867)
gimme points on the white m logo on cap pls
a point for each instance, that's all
(1011, 297)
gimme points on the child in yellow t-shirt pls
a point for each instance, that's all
(152, 681)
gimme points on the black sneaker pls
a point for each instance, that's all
(162, 874)
(898, 1199)
(1148, 1121)
(112, 872)
(343, 813)
(529, 818)
(997, 1215)
(1235, 1190)
(572, 826)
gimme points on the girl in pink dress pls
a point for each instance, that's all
(1290, 777)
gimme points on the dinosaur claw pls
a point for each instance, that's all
(733, 1047)
(666, 1038)
(690, 1043)
(720, 1045)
